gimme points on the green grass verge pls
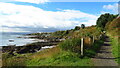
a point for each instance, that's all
(63, 59)
(53, 57)
(48, 57)
(115, 49)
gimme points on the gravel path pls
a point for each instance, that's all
(104, 57)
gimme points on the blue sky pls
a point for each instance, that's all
(88, 7)
(31, 16)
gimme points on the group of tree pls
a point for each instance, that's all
(104, 19)
(101, 21)
(78, 27)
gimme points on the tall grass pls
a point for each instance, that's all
(72, 45)
(115, 49)
(114, 33)
(58, 58)
(8, 60)
(92, 51)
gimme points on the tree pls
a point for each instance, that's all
(82, 26)
(104, 19)
(77, 28)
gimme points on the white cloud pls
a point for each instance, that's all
(29, 1)
(33, 1)
(12, 30)
(84, 0)
(19, 16)
(113, 8)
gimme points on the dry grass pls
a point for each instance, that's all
(113, 27)
(47, 53)
(88, 41)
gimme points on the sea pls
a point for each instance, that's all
(6, 36)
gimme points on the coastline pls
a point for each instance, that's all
(37, 45)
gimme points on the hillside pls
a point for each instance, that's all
(114, 27)
(113, 31)
(68, 51)
(63, 54)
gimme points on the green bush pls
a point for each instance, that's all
(77, 28)
(72, 45)
(91, 52)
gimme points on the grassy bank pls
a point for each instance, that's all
(115, 48)
(48, 57)
(113, 32)
(62, 58)
(66, 54)
(53, 57)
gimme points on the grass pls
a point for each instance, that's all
(9, 60)
(92, 51)
(67, 55)
(48, 57)
(54, 57)
(115, 46)
(58, 58)
(72, 45)
(113, 32)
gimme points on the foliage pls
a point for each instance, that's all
(91, 52)
(77, 28)
(104, 19)
(40, 34)
(86, 32)
(90, 31)
(72, 45)
(60, 34)
(82, 26)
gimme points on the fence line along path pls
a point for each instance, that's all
(104, 57)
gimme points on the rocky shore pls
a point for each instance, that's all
(33, 47)
(29, 48)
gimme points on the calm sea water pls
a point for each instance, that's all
(4, 39)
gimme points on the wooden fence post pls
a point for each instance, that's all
(82, 46)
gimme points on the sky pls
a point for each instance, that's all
(51, 15)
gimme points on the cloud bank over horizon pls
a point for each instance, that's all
(29, 18)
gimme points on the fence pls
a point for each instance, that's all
(89, 41)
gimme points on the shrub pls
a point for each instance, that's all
(91, 52)
(71, 45)
(77, 28)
